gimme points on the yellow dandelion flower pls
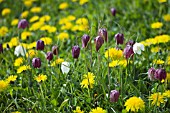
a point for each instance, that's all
(71, 17)
(6, 11)
(157, 99)
(16, 112)
(74, 0)
(45, 18)
(28, 3)
(18, 61)
(63, 21)
(1, 1)
(33, 19)
(36, 26)
(166, 17)
(41, 77)
(134, 104)
(115, 63)
(47, 40)
(159, 61)
(52, 29)
(162, 1)
(3, 85)
(88, 80)
(14, 22)
(23, 68)
(11, 78)
(25, 35)
(81, 2)
(162, 38)
(75, 28)
(155, 49)
(67, 26)
(63, 36)
(63, 5)
(58, 61)
(31, 45)
(114, 53)
(31, 53)
(78, 110)
(98, 110)
(35, 9)
(82, 21)
(167, 94)
(3, 31)
(156, 25)
(14, 41)
(24, 14)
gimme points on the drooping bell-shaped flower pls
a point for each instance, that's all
(160, 74)
(103, 33)
(138, 47)
(55, 50)
(151, 73)
(49, 56)
(99, 42)
(23, 24)
(85, 40)
(75, 51)
(128, 51)
(114, 96)
(119, 37)
(113, 11)
(40, 45)
(36, 62)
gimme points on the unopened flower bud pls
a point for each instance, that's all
(151, 73)
(75, 51)
(1, 48)
(40, 45)
(36, 62)
(49, 56)
(113, 11)
(22, 24)
(128, 51)
(103, 33)
(160, 74)
(114, 96)
(85, 40)
(55, 50)
(99, 42)
(119, 37)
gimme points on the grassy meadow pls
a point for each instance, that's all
(84, 56)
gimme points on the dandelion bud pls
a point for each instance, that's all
(131, 43)
(160, 74)
(1, 48)
(151, 73)
(49, 56)
(85, 40)
(75, 51)
(128, 51)
(99, 42)
(55, 50)
(40, 45)
(36, 62)
(114, 96)
(113, 11)
(103, 33)
(119, 38)
(22, 24)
